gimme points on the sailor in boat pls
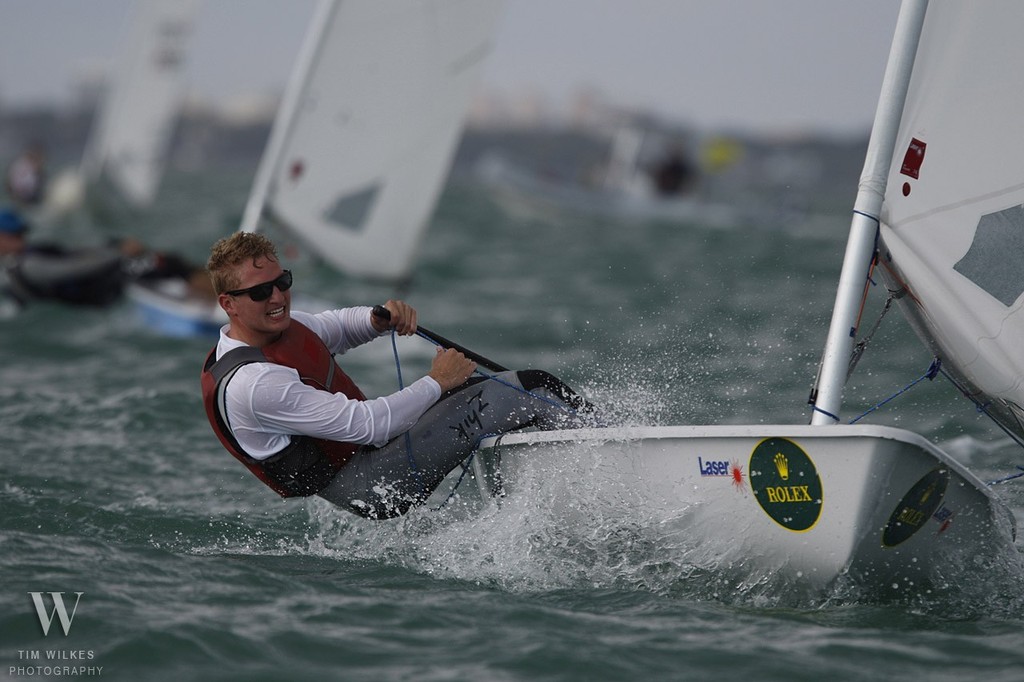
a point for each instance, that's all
(280, 404)
(673, 175)
(25, 179)
(161, 268)
(90, 276)
(93, 276)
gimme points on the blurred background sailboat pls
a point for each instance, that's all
(362, 143)
(127, 150)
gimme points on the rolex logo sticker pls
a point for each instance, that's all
(916, 507)
(786, 483)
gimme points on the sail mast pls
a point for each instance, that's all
(866, 213)
(285, 116)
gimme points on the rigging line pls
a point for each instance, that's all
(862, 345)
(859, 349)
(983, 408)
(869, 281)
(465, 469)
(1008, 477)
(904, 290)
(408, 439)
(933, 370)
(465, 464)
(828, 414)
(870, 217)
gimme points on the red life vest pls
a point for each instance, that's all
(307, 464)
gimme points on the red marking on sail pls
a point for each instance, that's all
(296, 170)
(913, 159)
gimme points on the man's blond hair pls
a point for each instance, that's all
(230, 252)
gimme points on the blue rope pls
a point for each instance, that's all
(933, 370)
(982, 408)
(408, 439)
(1009, 477)
(870, 217)
(828, 414)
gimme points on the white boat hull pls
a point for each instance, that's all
(167, 308)
(801, 504)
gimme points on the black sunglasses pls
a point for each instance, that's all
(263, 291)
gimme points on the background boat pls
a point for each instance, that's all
(352, 169)
(126, 155)
(649, 173)
(364, 137)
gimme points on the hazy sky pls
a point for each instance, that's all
(780, 65)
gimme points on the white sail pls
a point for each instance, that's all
(364, 138)
(953, 215)
(132, 134)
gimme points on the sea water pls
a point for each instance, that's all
(171, 562)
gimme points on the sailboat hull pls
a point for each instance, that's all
(809, 505)
(166, 307)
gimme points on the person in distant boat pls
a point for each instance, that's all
(673, 175)
(280, 404)
(25, 179)
(144, 265)
(92, 276)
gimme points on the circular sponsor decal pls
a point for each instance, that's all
(786, 483)
(916, 507)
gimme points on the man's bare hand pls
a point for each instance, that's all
(451, 368)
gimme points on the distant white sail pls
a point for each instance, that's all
(364, 138)
(953, 214)
(132, 134)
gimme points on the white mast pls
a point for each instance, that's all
(866, 213)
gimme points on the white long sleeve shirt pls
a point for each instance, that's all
(267, 403)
